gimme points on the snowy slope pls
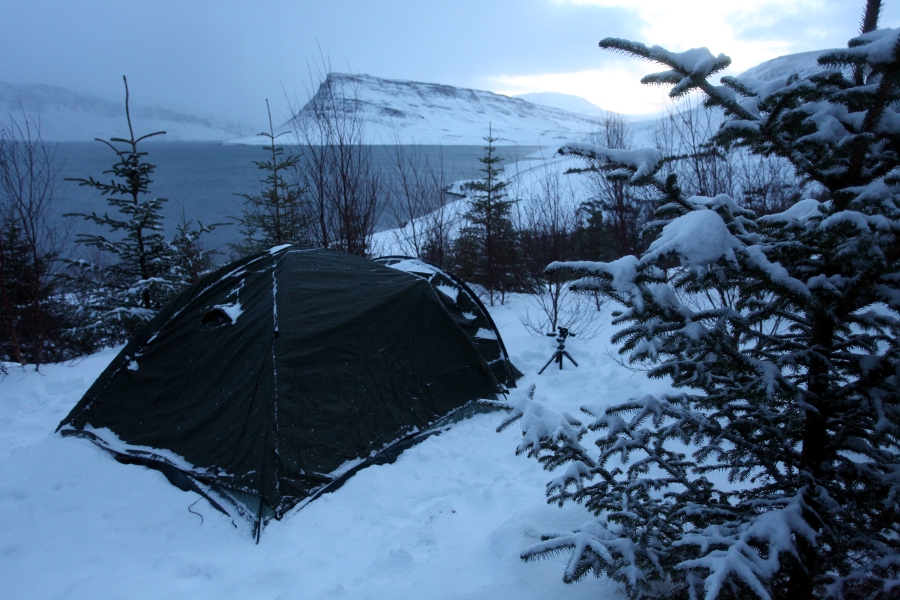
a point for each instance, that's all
(430, 113)
(66, 115)
(424, 113)
(569, 102)
(804, 64)
(446, 521)
(525, 178)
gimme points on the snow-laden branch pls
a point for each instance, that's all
(689, 71)
(641, 163)
(877, 48)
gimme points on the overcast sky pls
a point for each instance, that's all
(226, 57)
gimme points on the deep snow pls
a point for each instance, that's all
(447, 520)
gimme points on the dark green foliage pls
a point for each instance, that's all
(277, 215)
(15, 272)
(136, 272)
(615, 212)
(190, 259)
(32, 313)
(486, 252)
(24, 308)
(591, 238)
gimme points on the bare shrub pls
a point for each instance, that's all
(419, 202)
(336, 168)
(29, 244)
(547, 224)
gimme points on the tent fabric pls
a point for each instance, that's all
(466, 309)
(275, 375)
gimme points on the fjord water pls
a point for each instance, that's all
(201, 179)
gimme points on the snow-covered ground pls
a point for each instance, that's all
(447, 520)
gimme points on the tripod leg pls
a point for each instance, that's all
(547, 365)
(567, 356)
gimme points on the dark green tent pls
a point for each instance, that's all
(274, 378)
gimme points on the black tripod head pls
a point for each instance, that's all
(561, 334)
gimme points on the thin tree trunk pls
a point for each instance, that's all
(10, 320)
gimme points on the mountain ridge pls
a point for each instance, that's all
(802, 63)
(67, 115)
(432, 113)
(408, 111)
(568, 102)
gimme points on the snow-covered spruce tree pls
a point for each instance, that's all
(774, 469)
(277, 215)
(486, 251)
(144, 272)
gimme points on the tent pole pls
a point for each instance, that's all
(259, 520)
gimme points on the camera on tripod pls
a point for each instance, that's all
(561, 334)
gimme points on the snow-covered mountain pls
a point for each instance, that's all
(430, 113)
(424, 113)
(66, 115)
(804, 63)
(569, 102)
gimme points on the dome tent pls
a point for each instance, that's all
(276, 377)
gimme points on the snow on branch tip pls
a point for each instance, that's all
(877, 48)
(642, 162)
(688, 68)
(696, 61)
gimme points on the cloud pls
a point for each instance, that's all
(718, 25)
(748, 32)
(615, 87)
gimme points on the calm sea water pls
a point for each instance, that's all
(201, 179)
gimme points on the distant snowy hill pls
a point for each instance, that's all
(67, 115)
(569, 102)
(430, 113)
(804, 63)
(424, 113)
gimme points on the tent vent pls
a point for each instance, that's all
(216, 316)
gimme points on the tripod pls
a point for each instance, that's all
(560, 349)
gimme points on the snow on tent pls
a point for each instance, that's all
(277, 377)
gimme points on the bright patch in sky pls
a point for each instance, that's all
(732, 28)
(616, 87)
(688, 23)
